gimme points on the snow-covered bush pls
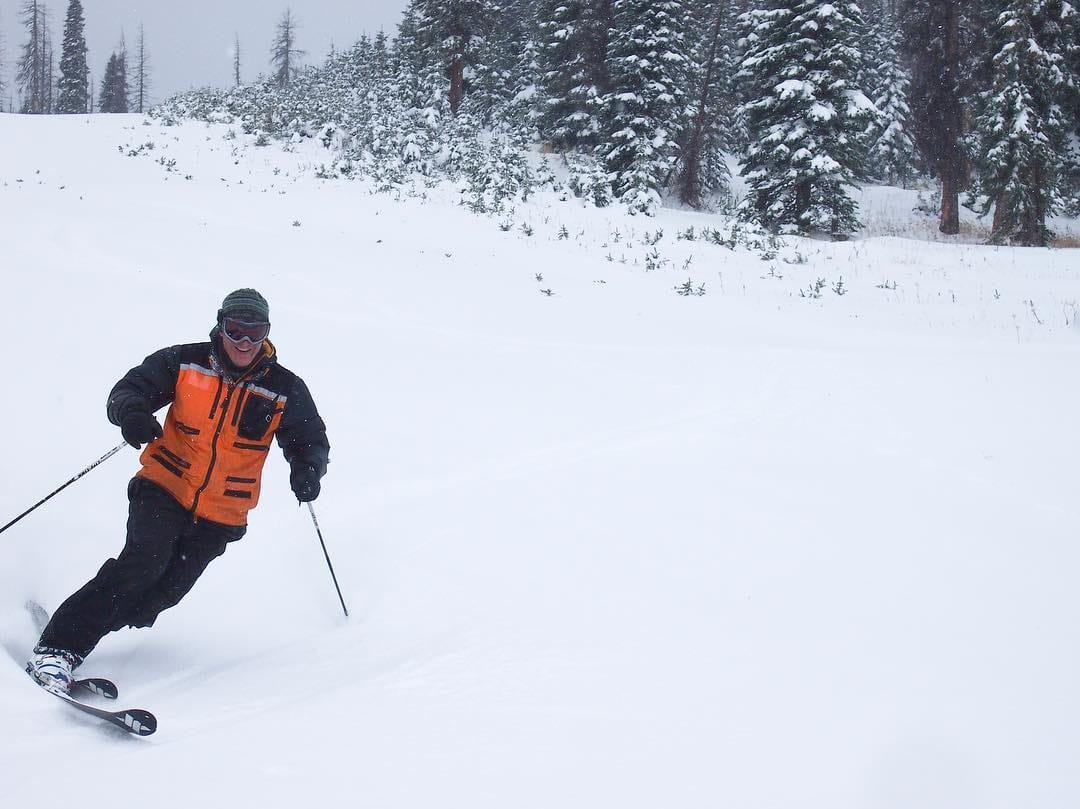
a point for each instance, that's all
(589, 180)
(376, 126)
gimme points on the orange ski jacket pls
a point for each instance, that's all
(219, 426)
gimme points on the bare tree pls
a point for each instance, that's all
(49, 60)
(236, 60)
(3, 86)
(284, 55)
(34, 72)
(141, 84)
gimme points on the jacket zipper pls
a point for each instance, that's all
(217, 434)
(213, 452)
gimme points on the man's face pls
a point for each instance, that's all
(241, 354)
(242, 340)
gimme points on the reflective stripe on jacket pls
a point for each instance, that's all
(218, 430)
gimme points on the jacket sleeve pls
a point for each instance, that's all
(302, 433)
(147, 387)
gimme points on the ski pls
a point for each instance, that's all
(132, 720)
(96, 686)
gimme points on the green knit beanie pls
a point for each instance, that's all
(245, 304)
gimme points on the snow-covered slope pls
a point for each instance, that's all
(605, 547)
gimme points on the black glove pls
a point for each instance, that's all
(304, 480)
(140, 428)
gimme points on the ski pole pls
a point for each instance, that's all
(43, 500)
(315, 520)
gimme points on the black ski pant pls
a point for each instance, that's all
(166, 551)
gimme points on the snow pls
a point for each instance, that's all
(794, 87)
(610, 546)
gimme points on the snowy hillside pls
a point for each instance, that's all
(804, 541)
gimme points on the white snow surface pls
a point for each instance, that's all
(607, 547)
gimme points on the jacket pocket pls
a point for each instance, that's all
(257, 416)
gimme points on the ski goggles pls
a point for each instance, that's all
(240, 330)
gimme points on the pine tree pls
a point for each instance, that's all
(74, 72)
(565, 118)
(804, 115)
(702, 169)
(643, 113)
(888, 138)
(140, 87)
(284, 55)
(505, 80)
(414, 66)
(380, 53)
(1071, 39)
(451, 34)
(932, 44)
(34, 70)
(1022, 130)
(114, 87)
(871, 43)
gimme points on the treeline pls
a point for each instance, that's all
(653, 99)
(812, 96)
(647, 99)
(46, 87)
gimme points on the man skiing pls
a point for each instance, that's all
(200, 475)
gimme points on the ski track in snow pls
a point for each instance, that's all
(608, 547)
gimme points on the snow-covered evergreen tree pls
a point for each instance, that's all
(871, 45)
(644, 109)
(932, 44)
(804, 116)
(889, 141)
(415, 70)
(561, 70)
(451, 34)
(711, 101)
(74, 72)
(523, 85)
(574, 76)
(504, 79)
(1070, 48)
(285, 56)
(1022, 132)
(114, 87)
(380, 53)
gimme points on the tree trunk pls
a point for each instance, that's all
(1000, 206)
(457, 82)
(952, 165)
(803, 197)
(1035, 218)
(690, 187)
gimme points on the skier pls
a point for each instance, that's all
(200, 475)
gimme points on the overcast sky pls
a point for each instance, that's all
(190, 41)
